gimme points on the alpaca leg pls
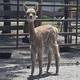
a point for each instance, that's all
(49, 60)
(33, 58)
(57, 56)
(57, 64)
(40, 60)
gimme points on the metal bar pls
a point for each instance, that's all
(69, 44)
(10, 34)
(12, 27)
(14, 47)
(68, 33)
(76, 21)
(39, 20)
(21, 27)
(6, 28)
(54, 8)
(17, 24)
(39, 13)
(24, 34)
(28, 45)
(66, 22)
(56, 5)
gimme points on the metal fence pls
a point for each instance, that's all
(69, 30)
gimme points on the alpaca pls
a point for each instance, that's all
(43, 40)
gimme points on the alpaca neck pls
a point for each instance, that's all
(31, 30)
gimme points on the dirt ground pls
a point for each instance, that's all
(18, 67)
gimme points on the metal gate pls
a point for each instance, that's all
(70, 24)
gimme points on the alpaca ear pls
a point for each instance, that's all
(36, 7)
(25, 7)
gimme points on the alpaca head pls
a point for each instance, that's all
(31, 12)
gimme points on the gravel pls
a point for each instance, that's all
(18, 67)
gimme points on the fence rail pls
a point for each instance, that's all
(24, 34)
(50, 5)
(40, 20)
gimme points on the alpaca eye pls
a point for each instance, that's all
(33, 13)
(28, 14)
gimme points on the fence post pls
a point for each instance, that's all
(6, 28)
(66, 14)
(77, 16)
(66, 22)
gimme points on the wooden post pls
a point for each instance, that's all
(6, 28)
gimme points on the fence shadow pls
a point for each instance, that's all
(71, 54)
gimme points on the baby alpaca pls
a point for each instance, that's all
(43, 39)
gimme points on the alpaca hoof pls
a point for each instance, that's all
(56, 73)
(40, 73)
(31, 74)
(47, 71)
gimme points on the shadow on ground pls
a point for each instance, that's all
(12, 68)
(71, 54)
(40, 76)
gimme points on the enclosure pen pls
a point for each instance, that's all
(19, 19)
